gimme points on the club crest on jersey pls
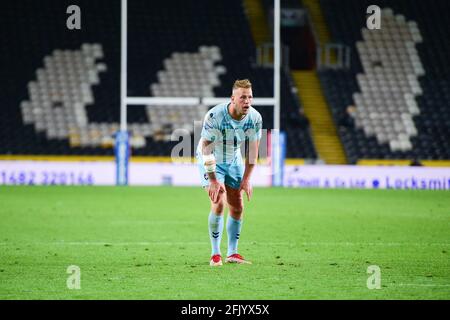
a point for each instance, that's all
(206, 176)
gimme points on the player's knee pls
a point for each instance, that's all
(236, 210)
(218, 206)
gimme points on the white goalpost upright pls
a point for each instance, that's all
(276, 65)
(122, 152)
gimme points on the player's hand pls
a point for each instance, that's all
(247, 187)
(215, 189)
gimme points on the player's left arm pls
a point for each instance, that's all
(250, 163)
(254, 136)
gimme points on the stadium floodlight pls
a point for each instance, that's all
(122, 147)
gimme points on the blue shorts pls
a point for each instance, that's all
(228, 173)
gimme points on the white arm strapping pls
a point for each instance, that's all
(209, 162)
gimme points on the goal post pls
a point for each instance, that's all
(122, 147)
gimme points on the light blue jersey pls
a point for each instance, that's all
(228, 135)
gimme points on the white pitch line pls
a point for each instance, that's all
(150, 222)
(423, 285)
(106, 243)
(384, 244)
(145, 243)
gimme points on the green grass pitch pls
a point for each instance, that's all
(152, 243)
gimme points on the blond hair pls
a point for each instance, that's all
(245, 83)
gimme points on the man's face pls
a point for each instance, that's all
(242, 99)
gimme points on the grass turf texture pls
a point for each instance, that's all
(152, 243)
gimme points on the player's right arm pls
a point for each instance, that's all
(210, 133)
(209, 162)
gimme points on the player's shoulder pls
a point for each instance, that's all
(217, 111)
(255, 115)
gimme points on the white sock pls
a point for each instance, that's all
(215, 224)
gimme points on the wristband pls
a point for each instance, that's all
(209, 163)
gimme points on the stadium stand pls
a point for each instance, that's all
(35, 53)
(393, 103)
(62, 92)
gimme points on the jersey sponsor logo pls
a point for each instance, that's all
(208, 126)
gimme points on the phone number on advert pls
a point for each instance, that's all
(46, 178)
